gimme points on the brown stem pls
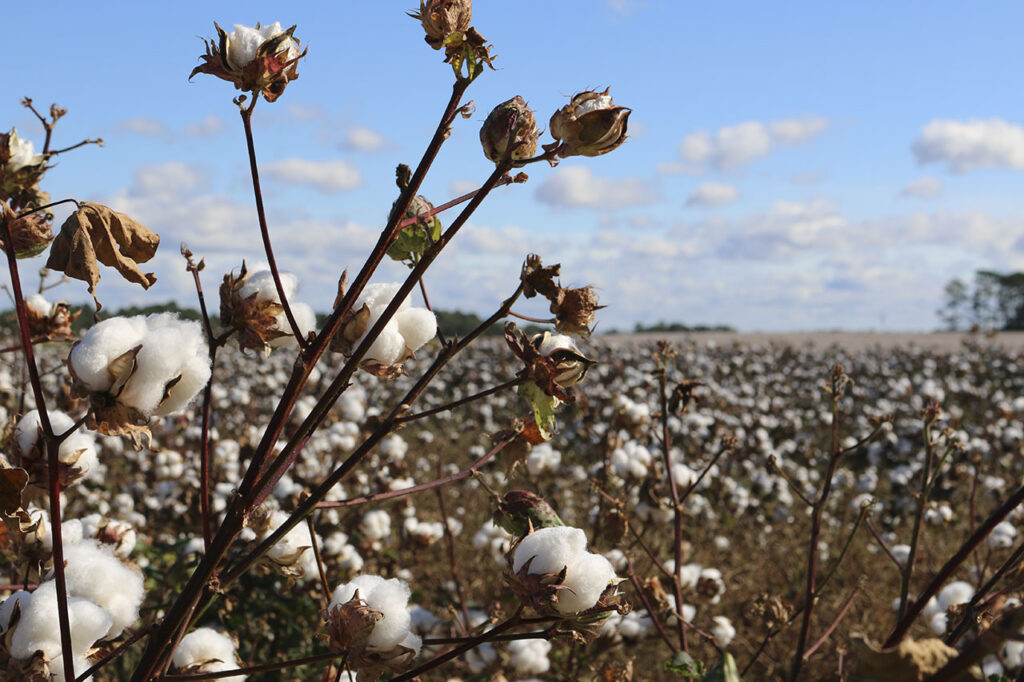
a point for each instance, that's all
(319, 561)
(835, 623)
(252, 670)
(453, 564)
(677, 509)
(538, 320)
(462, 401)
(922, 501)
(264, 230)
(673, 647)
(810, 591)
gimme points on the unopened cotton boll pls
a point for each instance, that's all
(207, 645)
(529, 656)
(549, 550)
(390, 597)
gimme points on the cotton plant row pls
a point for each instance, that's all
(257, 478)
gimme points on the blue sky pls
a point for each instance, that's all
(790, 165)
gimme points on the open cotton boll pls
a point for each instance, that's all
(103, 343)
(171, 348)
(551, 549)
(529, 656)
(305, 319)
(262, 284)
(586, 579)
(378, 295)
(723, 631)
(38, 629)
(206, 644)
(38, 304)
(389, 346)
(958, 592)
(417, 326)
(390, 597)
(93, 572)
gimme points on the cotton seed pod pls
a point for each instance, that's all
(590, 125)
(20, 171)
(31, 234)
(570, 365)
(512, 125)
(259, 59)
(442, 18)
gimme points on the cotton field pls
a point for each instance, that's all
(749, 450)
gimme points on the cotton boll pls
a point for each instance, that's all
(1002, 536)
(938, 623)
(586, 579)
(529, 656)
(723, 631)
(93, 572)
(103, 343)
(262, 284)
(376, 524)
(305, 318)
(417, 326)
(390, 597)
(388, 348)
(80, 444)
(414, 642)
(551, 549)
(38, 629)
(38, 304)
(206, 644)
(379, 295)
(171, 348)
(955, 593)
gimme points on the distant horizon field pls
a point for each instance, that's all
(848, 340)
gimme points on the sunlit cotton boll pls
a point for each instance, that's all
(549, 550)
(211, 650)
(391, 598)
(1002, 536)
(404, 333)
(38, 629)
(529, 656)
(723, 631)
(171, 366)
(244, 42)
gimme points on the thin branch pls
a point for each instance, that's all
(462, 401)
(835, 623)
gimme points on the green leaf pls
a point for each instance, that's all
(685, 665)
(543, 408)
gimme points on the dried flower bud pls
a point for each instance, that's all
(442, 18)
(511, 129)
(590, 125)
(574, 310)
(256, 59)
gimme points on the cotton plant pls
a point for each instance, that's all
(133, 369)
(368, 619)
(552, 571)
(293, 554)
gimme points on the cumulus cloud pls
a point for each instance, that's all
(208, 127)
(966, 145)
(712, 194)
(578, 187)
(170, 179)
(924, 188)
(364, 139)
(140, 125)
(328, 177)
(734, 146)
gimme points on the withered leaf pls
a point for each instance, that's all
(97, 233)
(908, 661)
(12, 482)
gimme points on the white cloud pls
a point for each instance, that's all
(578, 187)
(713, 194)
(208, 127)
(140, 125)
(734, 146)
(328, 177)
(977, 143)
(166, 180)
(460, 187)
(924, 187)
(364, 139)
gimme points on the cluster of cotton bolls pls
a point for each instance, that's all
(104, 596)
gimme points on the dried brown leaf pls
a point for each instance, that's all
(97, 234)
(908, 661)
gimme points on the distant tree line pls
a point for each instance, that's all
(994, 300)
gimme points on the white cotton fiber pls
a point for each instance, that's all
(206, 644)
(379, 295)
(22, 597)
(417, 326)
(262, 284)
(102, 344)
(93, 572)
(388, 347)
(38, 304)
(376, 524)
(552, 549)
(390, 597)
(529, 656)
(80, 444)
(38, 629)
(958, 592)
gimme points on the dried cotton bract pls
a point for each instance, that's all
(135, 368)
